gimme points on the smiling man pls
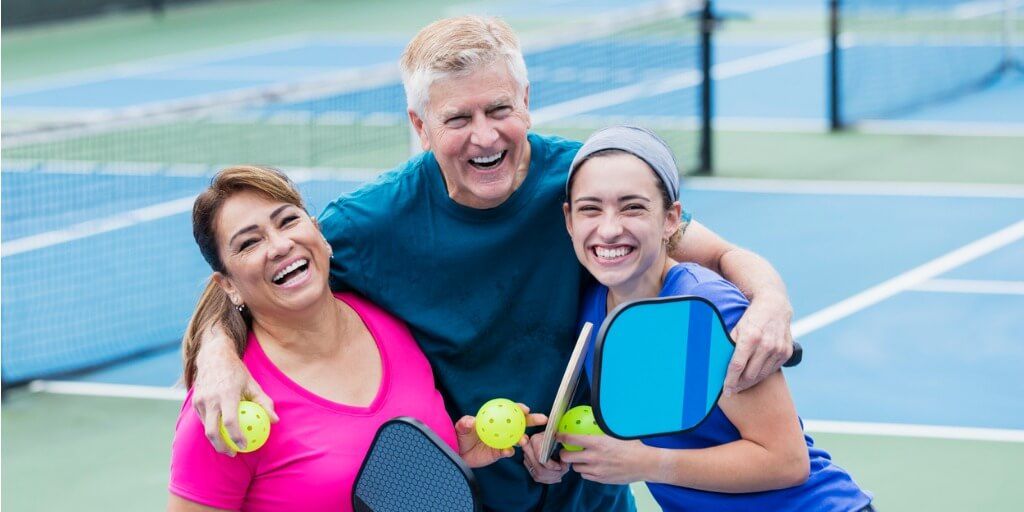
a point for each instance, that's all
(466, 243)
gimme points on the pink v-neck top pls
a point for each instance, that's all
(315, 450)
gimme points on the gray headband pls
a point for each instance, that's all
(639, 142)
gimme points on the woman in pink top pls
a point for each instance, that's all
(336, 366)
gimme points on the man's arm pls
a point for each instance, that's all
(221, 382)
(763, 338)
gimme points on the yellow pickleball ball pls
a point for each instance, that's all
(500, 423)
(579, 421)
(255, 425)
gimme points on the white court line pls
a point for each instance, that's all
(151, 213)
(177, 394)
(107, 390)
(153, 65)
(855, 188)
(971, 286)
(682, 80)
(946, 128)
(909, 279)
(920, 431)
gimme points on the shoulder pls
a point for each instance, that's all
(693, 279)
(555, 151)
(383, 325)
(387, 193)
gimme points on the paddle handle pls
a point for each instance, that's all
(798, 355)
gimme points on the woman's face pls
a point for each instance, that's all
(617, 220)
(276, 259)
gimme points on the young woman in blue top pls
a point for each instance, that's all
(751, 452)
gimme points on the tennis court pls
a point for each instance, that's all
(901, 242)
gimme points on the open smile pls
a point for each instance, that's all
(488, 162)
(612, 254)
(292, 273)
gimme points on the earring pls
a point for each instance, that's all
(240, 308)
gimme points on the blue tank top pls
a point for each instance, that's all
(828, 487)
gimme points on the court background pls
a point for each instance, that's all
(913, 388)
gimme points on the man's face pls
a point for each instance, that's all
(476, 126)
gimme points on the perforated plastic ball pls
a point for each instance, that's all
(579, 421)
(255, 425)
(500, 423)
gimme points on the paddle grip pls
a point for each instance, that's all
(798, 355)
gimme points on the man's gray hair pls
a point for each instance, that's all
(455, 47)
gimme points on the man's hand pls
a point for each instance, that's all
(763, 342)
(221, 382)
(548, 473)
(475, 452)
(605, 459)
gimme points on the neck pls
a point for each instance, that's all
(645, 286)
(316, 332)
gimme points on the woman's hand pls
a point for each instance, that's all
(221, 382)
(550, 472)
(475, 452)
(607, 460)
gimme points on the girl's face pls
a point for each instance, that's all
(617, 220)
(277, 261)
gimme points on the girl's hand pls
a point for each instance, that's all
(608, 460)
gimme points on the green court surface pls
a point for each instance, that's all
(113, 453)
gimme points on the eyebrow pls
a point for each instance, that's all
(631, 197)
(254, 227)
(450, 112)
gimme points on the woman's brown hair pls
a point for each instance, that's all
(214, 306)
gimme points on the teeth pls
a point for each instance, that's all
(618, 252)
(296, 264)
(484, 160)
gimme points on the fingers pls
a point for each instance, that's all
(465, 425)
(736, 365)
(536, 420)
(211, 427)
(229, 417)
(253, 392)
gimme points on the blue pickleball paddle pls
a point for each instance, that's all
(409, 467)
(659, 366)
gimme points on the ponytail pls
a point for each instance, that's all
(214, 308)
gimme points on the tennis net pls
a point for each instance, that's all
(892, 57)
(99, 263)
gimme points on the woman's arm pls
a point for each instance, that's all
(771, 454)
(178, 504)
(763, 338)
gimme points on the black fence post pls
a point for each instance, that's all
(707, 27)
(834, 89)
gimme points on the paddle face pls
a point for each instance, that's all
(659, 366)
(408, 467)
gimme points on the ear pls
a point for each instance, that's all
(673, 219)
(229, 288)
(568, 218)
(526, 103)
(420, 127)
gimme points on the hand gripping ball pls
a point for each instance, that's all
(500, 423)
(255, 425)
(579, 421)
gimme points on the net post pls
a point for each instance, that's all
(707, 27)
(834, 103)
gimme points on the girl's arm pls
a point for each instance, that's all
(771, 455)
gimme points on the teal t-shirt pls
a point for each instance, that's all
(490, 295)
